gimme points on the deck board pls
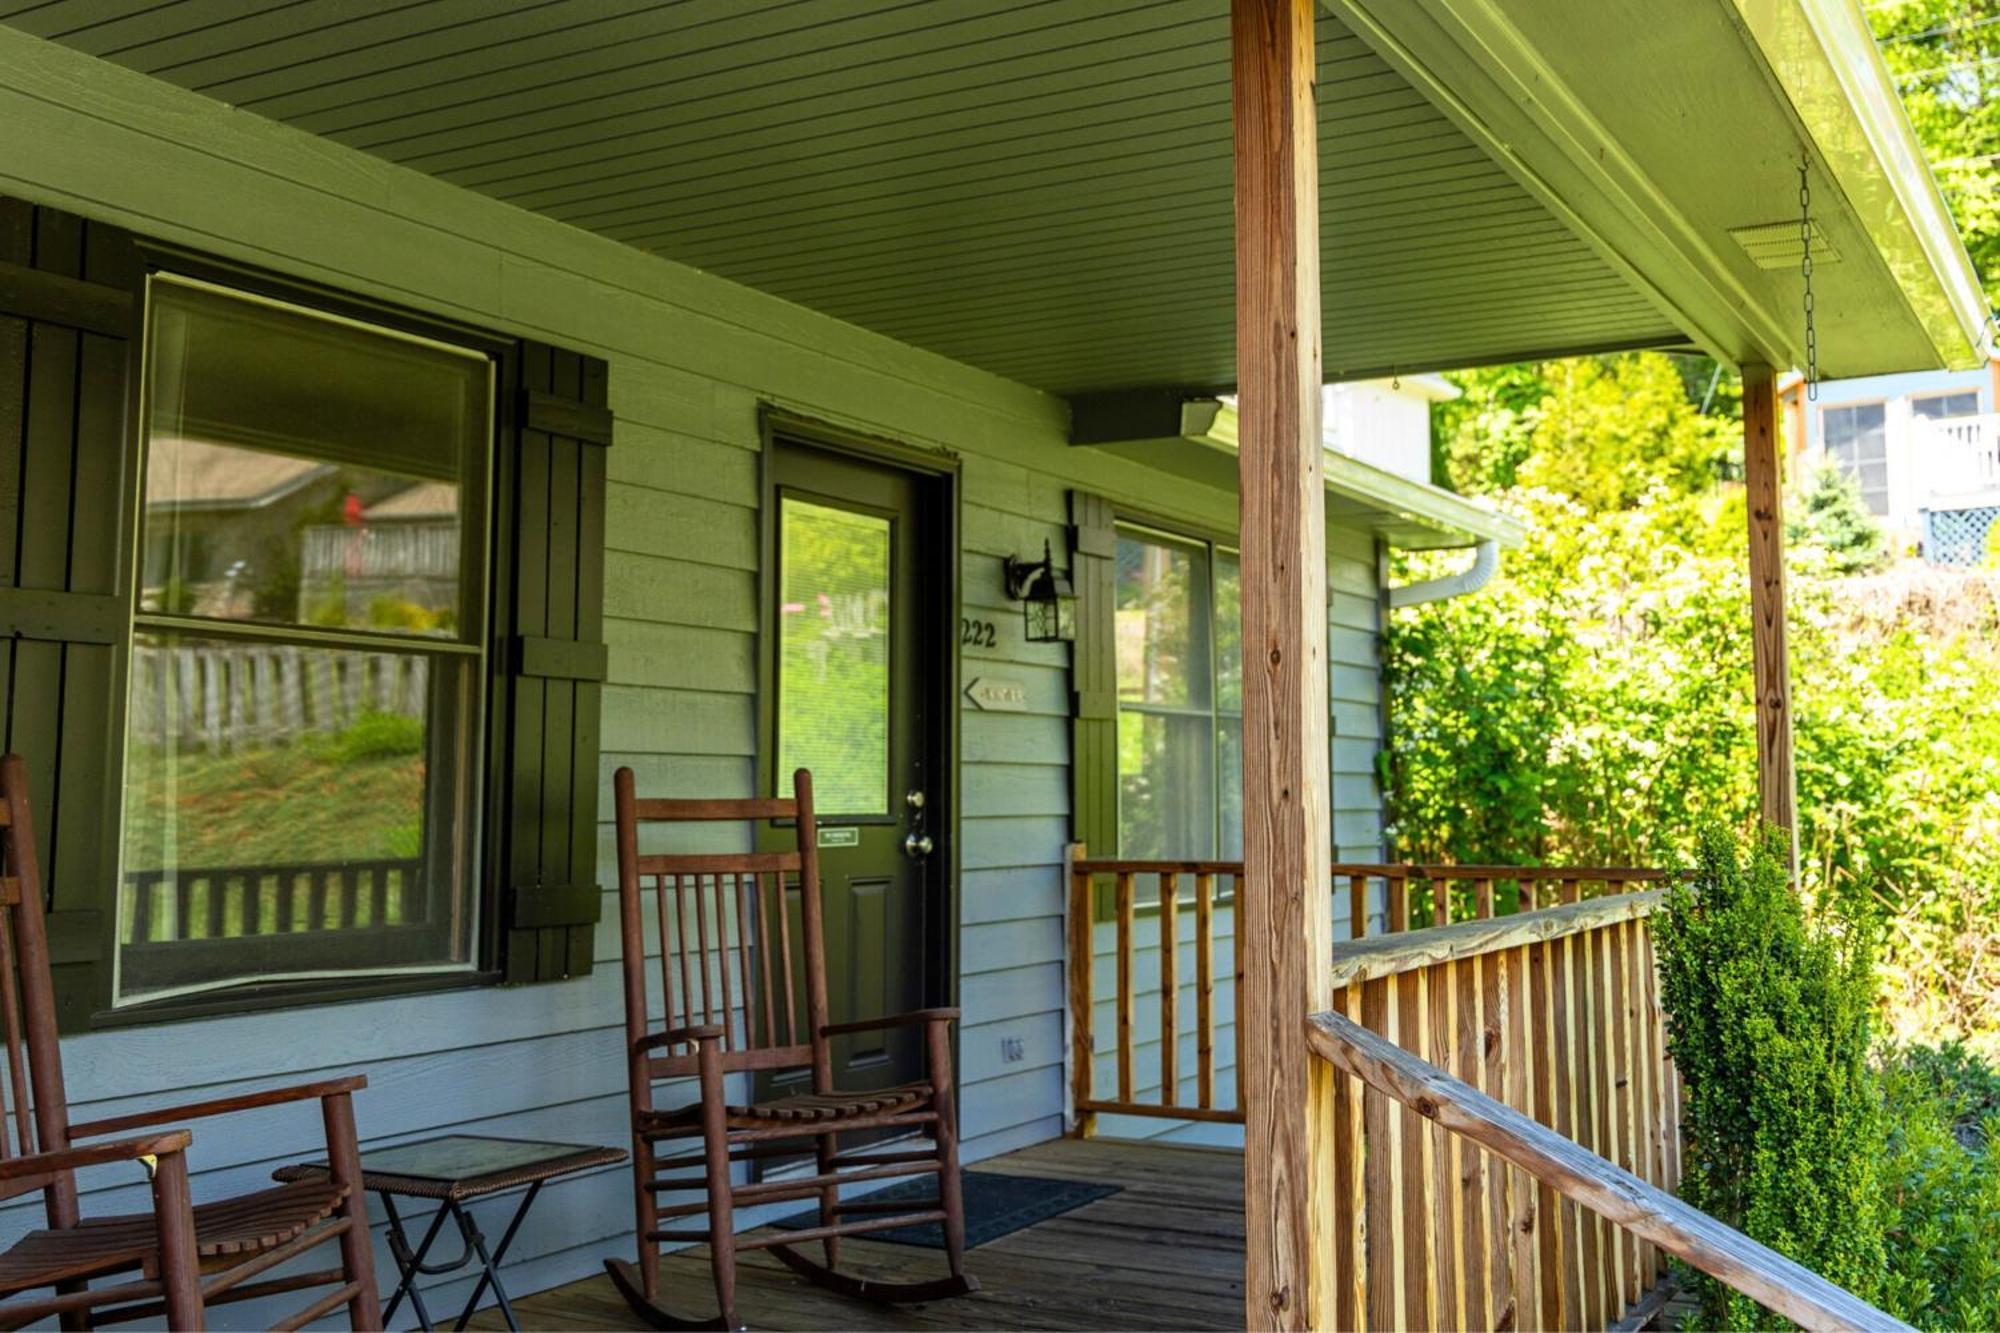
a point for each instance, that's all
(1165, 1251)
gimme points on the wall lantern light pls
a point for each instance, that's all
(1048, 602)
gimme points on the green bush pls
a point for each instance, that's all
(1782, 1125)
(1942, 1188)
(376, 735)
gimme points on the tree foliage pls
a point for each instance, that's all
(1595, 704)
(1945, 58)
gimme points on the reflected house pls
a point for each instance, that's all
(399, 557)
(232, 513)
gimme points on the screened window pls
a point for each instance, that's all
(1945, 406)
(1857, 441)
(302, 731)
(1180, 698)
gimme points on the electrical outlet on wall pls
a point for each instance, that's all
(1013, 1050)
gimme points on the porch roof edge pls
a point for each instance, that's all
(1412, 515)
(1824, 59)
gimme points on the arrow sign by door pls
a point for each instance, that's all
(992, 694)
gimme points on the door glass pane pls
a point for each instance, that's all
(292, 810)
(304, 470)
(1166, 785)
(833, 656)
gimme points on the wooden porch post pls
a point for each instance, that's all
(1762, 470)
(1285, 903)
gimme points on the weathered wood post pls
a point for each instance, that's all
(1285, 900)
(1762, 471)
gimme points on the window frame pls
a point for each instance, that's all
(487, 796)
(1210, 545)
(1826, 446)
(1936, 394)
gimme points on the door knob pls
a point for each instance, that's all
(918, 844)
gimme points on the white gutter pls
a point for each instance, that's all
(1485, 564)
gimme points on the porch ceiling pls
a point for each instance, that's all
(1037, 187)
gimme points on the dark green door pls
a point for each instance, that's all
(852, 662)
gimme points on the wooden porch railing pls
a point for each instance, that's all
(1555, 1013)
(1190, 900)
(1507, 1143)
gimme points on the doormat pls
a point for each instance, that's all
(996, 1205)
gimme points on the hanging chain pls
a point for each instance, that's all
(1805, 271)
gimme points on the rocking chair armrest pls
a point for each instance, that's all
(245, 1101)
(694, 1032)
(96, 1154)
(914, 1018)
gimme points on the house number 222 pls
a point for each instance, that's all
(977, 633)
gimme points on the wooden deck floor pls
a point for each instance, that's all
(1166, 1251)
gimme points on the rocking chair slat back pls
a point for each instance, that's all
(34, 1116)
(727, 923)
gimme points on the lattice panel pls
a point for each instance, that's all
(1959, 536)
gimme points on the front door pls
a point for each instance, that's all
(853, 660)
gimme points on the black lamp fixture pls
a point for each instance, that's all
(1048, 602)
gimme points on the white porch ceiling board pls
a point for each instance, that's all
(1040, 188)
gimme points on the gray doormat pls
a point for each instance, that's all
(996, 1205)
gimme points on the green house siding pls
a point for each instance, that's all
(693, 361)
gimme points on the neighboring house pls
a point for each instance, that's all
(1925, 448)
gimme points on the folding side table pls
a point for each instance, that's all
(453, 1170)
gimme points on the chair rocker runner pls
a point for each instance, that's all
(718, 1025)
(183, 1257)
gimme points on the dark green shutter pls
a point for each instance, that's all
(1094, 676)
(68, 299)
(549, 663)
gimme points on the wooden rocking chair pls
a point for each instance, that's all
(719, 1026)
(183, 1256)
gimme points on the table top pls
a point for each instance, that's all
(464, 1166)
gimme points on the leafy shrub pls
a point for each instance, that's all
(1942, 1188)
(1769, 1024)
(377, 735)
(402, 613)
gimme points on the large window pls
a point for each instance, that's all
(302, 748)
(1180, 698)
(1857, 441)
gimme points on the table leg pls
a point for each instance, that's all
(491, 1263)
(410, 1263)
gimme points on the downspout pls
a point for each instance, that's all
(1485, 564)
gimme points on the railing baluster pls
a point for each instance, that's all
(1082, 958)
(1626, 1121)
(1357, 906)
(1419, 1174)
(1447, 1262)
(1170, 989)
(1350, 1277)
(1236, 981)
(1396, 915)
(1440, 902)
(1383, 1186)
(1204, 989)
(1468, 1041)
(1482, 899)
(1126, 988)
